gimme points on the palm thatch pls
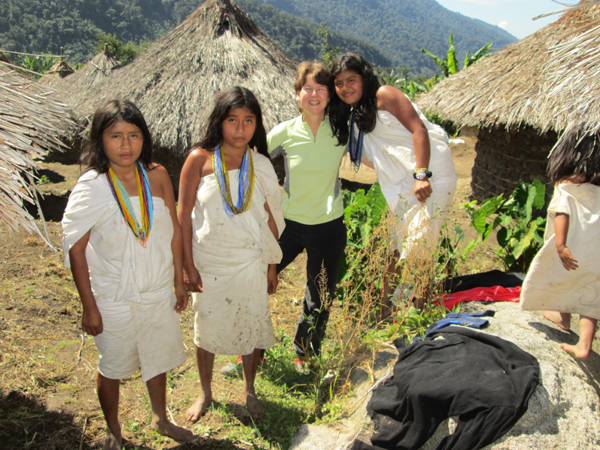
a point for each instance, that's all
(546, 81)
(96, 70)
(60, 69)
(4, 58)
(30, 120)
(524, 97)
(175, 80)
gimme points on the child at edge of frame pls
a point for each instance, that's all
(564, 277)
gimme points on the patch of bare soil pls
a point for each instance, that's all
(48, 367)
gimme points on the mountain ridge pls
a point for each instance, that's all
(36, 26)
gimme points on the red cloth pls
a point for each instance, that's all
(481, 294)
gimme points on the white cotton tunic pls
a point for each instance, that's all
(232, 254)
(132, 285)
(390, 150)
(548, 285)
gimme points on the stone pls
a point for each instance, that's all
(562, 413)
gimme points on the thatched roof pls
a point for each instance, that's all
(4, 58)
(175, 80)
(30, 117)
(96, 70)
(548, 81)
(60, 69)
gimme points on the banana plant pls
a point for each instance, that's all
(449, 65)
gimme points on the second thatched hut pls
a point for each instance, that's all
(523, 98)
(174, 81)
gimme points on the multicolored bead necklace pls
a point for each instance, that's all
(245, 185)
(355, 145)
(142, 232)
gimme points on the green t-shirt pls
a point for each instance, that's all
(311, 191)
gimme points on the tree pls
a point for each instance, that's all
(449, 65)
(330, 51)
(124, 53)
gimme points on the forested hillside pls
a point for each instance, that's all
(387, 32)
(38, 26)
(400, 27)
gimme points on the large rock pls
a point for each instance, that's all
(562, 413)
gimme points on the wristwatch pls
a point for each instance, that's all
(422, 174)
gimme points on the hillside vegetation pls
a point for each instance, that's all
(43, 27)
(387, 32)
(400, 28)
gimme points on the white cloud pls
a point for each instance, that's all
(503, 24)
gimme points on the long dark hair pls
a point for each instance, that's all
(225, 101)
(93, 156)
(576, 153)
(366, 110)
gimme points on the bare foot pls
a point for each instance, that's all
(113, 439)
(171, 430)
(576, 352)
(199, 407)
(255, 407)
(560, 319)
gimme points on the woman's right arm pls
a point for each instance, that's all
(188, 185)
(91, 322)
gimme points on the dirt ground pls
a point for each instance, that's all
(47, 366)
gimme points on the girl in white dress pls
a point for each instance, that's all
(230, 214)
(556, 281)
(410, 155)
(122, 242)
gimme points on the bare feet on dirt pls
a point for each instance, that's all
(113, 439)
(255, 407)
(199, 407)
(560, 319)
(576, 351)
(171, 430)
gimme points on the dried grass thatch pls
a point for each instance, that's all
(60, 69)
(175, 80)
(547, 81)
(95, 71)
(30, 120)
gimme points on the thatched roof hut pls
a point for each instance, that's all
(95, 71)
(175, 80)
(522, 98)
(60, 69)
(30, 120)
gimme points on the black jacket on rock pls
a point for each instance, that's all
(484, 380)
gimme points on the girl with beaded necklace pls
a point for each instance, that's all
(122, 242)
(230, 215)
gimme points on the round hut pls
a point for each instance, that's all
(60, 69)
(522, 99)
(31, 121)
(94, 71)
(175, 80)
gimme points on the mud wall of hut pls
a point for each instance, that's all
(505, 158)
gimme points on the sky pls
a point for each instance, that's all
(512, 15)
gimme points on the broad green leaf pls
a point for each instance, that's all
(540, 194)
(525, 242)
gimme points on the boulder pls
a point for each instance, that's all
(562, 413)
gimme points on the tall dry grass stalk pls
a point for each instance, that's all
(424, 261)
